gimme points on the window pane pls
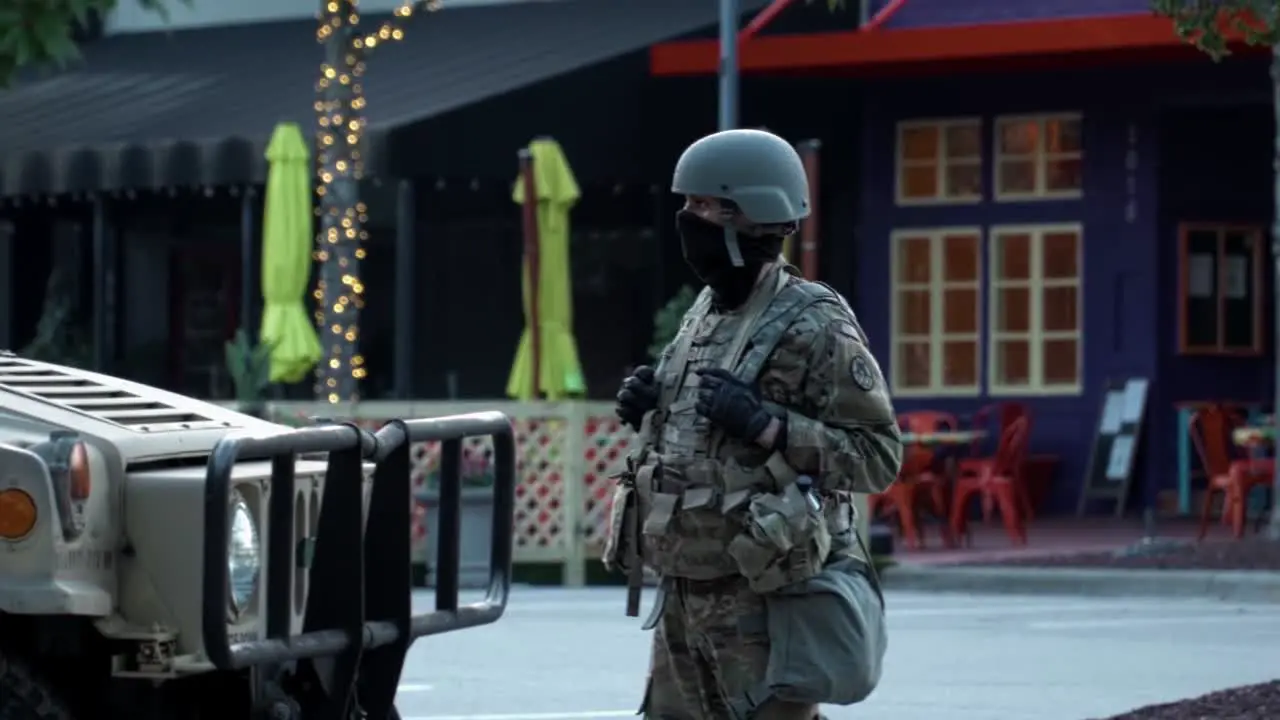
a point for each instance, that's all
(913, 260)
(913, 312)
(919, 143)
(1062, 175)
(960, 311)
(964, 180)
(964, 141)
(1061, 255)
(920, 182)
(1061, 305)
(1013, 257)
(1061, 362)
(1062, 135)
(1013, 310)
(960, 258)
(1017, 176)
(960, 363)
(1018, 137)
(912, 369)
(1013, 363)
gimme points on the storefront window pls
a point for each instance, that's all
(1220, 290)
(935, 311)
(1035, 310)
(1038, 157)
(939, 161)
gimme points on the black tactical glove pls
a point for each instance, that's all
(733, 406)
(639, 395)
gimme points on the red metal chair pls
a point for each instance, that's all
(999, 417)
(1228, 468)
(995, 481)
(921, 478)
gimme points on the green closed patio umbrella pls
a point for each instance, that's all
(286, 257)
(555, 354)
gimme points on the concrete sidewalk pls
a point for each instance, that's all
(1238, 586)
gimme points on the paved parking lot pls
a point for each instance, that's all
(573, 655)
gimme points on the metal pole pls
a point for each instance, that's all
(101, 283)
(406, 236)
(1274, 528)
(729, 13)
(247, 284)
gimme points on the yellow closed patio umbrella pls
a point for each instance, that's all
(560, 373)
(286, 257)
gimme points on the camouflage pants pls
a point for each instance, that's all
(710, 645)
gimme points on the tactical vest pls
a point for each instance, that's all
(693, 482)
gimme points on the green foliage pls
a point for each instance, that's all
(58, 337)
(666, 322)
(1207, 23)
(40, 32)
(250, 367)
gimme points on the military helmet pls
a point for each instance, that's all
(759, 171)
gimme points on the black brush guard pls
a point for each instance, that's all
(359, 606)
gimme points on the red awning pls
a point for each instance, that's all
(1078, 37)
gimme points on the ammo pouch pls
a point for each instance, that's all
(785, 540)
(826, 640)
(621, 513)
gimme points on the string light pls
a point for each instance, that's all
(340, 124)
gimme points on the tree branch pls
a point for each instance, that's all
(393, 30)
(1211, 25)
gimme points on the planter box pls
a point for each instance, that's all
(477, 521)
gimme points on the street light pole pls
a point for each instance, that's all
(1274, 527)
(729, 13)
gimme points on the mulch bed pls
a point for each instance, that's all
(1251, 702)
(1249, 553)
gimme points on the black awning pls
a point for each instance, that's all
(196, 107)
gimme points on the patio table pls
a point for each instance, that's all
(1254, 435)
(943, 437)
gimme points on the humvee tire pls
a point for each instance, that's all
(24, 697)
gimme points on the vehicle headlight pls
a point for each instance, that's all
(244, 556)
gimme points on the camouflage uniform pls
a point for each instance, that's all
(710, 642)
(685, 504)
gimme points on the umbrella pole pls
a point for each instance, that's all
(247, 285)
(809, 227)
(406, 229)
(529, 216)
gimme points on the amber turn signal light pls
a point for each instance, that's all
(80, 477)
(17, 514)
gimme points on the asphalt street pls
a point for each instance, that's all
(574, 655)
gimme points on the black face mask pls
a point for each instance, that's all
(707, 255)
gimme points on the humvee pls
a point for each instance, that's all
(163, 557)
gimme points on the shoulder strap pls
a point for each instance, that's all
(676, 355)
(787, 306)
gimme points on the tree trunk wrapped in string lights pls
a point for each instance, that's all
(340, 109)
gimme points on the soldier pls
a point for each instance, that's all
(763, 416)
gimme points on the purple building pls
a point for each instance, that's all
(1052, 194)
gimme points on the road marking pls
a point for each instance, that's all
(415, 687)
(940, 610)
(1145, 621)
(978, 610)
(533, 715)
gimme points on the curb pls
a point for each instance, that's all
(1238, 586)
